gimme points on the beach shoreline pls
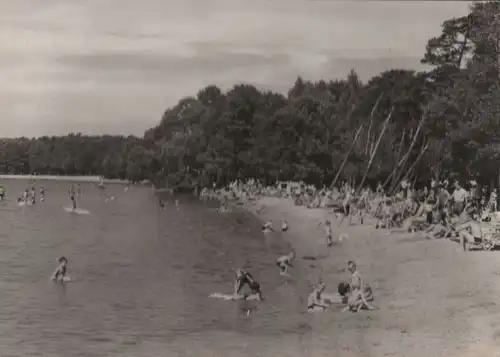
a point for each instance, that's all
(432, 297)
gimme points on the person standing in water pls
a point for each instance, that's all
(177, 204)
(25, 196)
(72, 197)
(42, 194)
(33, 195)
(161, 203)
(245, 278)
(2, 193)
(61, 270)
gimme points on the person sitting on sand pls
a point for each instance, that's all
(245, 278)
(469, 232)
(284, 226)
(284, 262)
(315, 301)
(359, 293)
(61, 270)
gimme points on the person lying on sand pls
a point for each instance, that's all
(245, 278)
(315, 301)
(358, 293)
(284, 262)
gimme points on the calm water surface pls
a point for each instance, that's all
(141, 279)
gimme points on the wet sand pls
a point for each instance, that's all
(433, 299)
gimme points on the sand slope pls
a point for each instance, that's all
(434, 299)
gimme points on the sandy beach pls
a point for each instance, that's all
(433, 299)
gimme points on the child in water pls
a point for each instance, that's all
(60, 272)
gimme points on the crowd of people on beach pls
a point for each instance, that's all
(444, 209)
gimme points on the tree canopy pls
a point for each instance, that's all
(399, 124)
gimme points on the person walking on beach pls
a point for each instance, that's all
(284, 262)
(459, 196)
(328, 232)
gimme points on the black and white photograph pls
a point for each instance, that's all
(212, 178)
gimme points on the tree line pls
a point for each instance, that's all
(400, 124)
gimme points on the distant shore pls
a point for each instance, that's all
(62, 178)
(433, 298)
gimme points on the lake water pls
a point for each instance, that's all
(141, 279)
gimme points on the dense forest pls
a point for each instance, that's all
(399, 124)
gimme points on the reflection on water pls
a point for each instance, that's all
(141, 279)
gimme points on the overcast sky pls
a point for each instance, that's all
(114, 66)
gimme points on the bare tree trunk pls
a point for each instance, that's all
(398, 157)
(347, 156)
(400, 166)
(372, 113)
(382, 132)
(417, 160)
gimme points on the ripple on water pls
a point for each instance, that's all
(142, 278)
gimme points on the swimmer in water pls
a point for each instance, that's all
(61, 270)
(284, 262)
(245, 278)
